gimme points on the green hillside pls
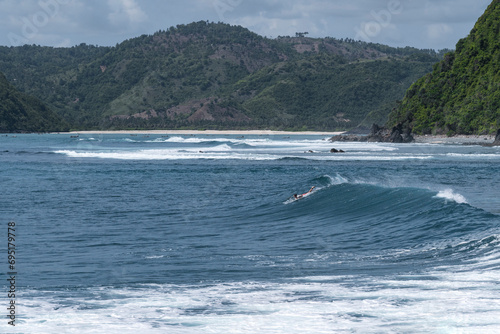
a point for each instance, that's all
(462, 94)
(23, 113)
(214, 75)
(325, 91)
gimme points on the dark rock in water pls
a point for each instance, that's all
(497, 139)
(348, 138)
(334, 150)
(398, 134)
(496, 142)
(378, 134)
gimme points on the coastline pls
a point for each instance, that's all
(458, 139)
(419, 139)
(208, 132)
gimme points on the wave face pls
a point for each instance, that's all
(399, 225)
(193, 234)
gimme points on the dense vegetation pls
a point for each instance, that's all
(22, 113)
(324, 91)
(214, 75)
(462, 94)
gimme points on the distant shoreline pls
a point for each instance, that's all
(458, 139)
(419, 139)
(208, 132)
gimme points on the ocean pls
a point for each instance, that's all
(123, 233)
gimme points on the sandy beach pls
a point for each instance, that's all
(211, 132)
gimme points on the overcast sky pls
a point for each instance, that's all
(434, 24)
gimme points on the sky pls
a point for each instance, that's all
(425, 24)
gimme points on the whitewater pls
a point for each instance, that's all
(172, 233)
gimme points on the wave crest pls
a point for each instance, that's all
(449, 194)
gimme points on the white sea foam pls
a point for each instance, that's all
(449, 194)
(225, 152)
(87, 139)
(241, 148)
(338, 179)
(223, 147)
(154, 257)
(272, 147)
(474, 155)
(218, 148)
(183, 140)
(357, 157)
(196, 140)
(297, 144)
(217, 154)
(450, 302)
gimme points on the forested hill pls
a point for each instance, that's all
(214, 75)
(22, 113)
(462, 94)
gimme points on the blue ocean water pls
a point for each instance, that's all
(199, 234)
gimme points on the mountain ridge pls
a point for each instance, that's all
(214, 75)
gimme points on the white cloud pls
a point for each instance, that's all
(439, 32)
(423, 23)
(126, 12)
(35, 21)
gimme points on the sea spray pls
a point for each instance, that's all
(449, 194)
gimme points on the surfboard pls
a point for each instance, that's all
(301, 196)
(293, 199)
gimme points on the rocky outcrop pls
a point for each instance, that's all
(350, 137)
(496, 142)
(398, 134)
(497, 139)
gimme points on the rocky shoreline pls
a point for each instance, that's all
(400, 135)
(458, 139)
(397, 134)
(483, 140)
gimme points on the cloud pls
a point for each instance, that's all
(125, 12)
(273, 18)
(35, 22)
(439, 32)
(422, 23)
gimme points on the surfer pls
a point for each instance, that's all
(300, 196)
